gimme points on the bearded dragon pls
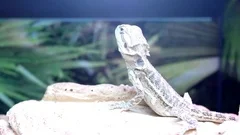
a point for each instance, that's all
(152, 87)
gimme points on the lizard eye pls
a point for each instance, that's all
(125, 45)
(140, 62)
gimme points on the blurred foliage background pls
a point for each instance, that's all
(37, 53)
(231, 50)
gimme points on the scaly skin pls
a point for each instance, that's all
(152, 87)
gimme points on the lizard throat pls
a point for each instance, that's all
(134, 61)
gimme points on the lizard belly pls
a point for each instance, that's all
(151, 97)
(157, 105)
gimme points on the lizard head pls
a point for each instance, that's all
(131, 41)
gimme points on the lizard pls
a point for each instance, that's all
(152, 87)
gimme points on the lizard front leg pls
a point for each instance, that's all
(136, 99)
(129, 104)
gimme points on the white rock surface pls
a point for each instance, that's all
(5, 128)
(81, 118)
(88, 93)
(77, 112)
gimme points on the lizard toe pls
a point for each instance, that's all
(123, 106)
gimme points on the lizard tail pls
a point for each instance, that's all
(205, 115)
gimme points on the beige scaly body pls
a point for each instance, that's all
(152, 87)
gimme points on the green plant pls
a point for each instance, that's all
(36, 53)
(28, 65)
(231, 63)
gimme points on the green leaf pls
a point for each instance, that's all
(30, 76)
(6, 100)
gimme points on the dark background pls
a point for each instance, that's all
(111, 8)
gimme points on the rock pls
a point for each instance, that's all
(89, 93)
(5, 128)
(229, 128)
(84, 109)
(3, 117)
(93, 118)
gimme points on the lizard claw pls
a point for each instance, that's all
(123, 106)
